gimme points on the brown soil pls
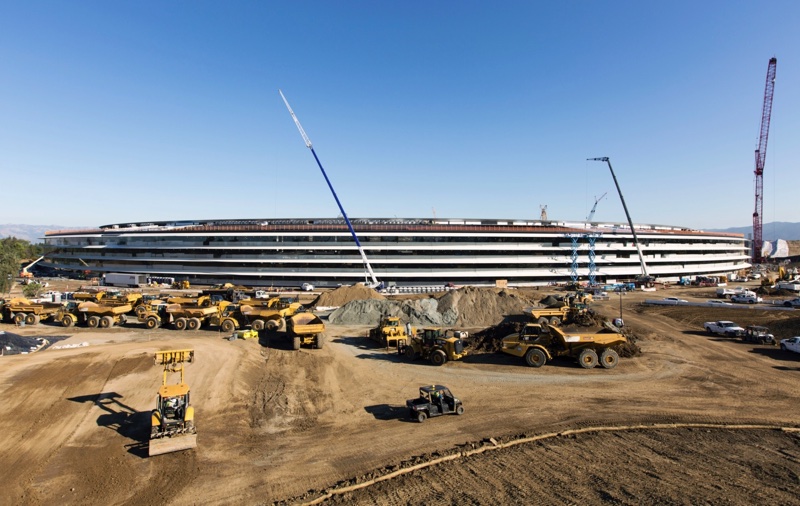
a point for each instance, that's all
(345, 294)
(692, 420)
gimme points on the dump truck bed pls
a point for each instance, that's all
(303, 324)
(162, 445)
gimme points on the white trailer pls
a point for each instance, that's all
(123, 279)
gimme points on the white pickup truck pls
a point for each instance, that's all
(791, 344)
(727, 293)
(724, 328)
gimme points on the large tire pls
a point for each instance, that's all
(410, 352)
(438, 357)
(783, 347)
(228, 326)
(106, 322)
(140, 311)
(30, 319)
(295, 343)
(272, 325)
(588, 358)
(19, 318)
(151, 322)
(421, 416)
(535, 357)
(542, 321)
(193, 324)
(257, 325)
(460, 409)
(180, 323)
(67, 320)
(555, 321)
(319, 341)
(609, 358)
(93, 321)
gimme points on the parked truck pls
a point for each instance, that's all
(723, 328)
(539, 343)
(123, 279)
(190, 317)
(305, 328)
(92, 314)
(270, 316)
(21, 310)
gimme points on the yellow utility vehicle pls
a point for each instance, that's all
(20, 310)
(172, 425)
(92, 314)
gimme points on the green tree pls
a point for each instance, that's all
(32, 290)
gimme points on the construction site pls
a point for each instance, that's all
(272, 424)
(583, 391)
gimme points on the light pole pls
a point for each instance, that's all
(619, 322)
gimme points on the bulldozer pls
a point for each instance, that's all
(172, 426)
(433, 344)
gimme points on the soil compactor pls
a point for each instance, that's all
(432, 344)
(172, 426)
(538, 344)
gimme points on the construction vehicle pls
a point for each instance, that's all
(432, 344)
(153, 314)
(572, 309)
(228, 317)
(190, 317)
(181, 285)
(20, 310)
(540, 343)
(270, 315)
(434, 400)
(172, 425)
(390, 332)
(305, 328)
(198, 300)
(25, 274)
(92, 314)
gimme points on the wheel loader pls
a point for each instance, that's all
(432, 344)
(390, 332)
(172, 425)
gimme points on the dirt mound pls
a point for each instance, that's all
(345, 294)
(416, 312)
(481, 307)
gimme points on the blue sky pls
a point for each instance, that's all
(135, 111)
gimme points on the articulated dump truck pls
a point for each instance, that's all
(20, 310)
(538, 344)
(92, 314)
(172, 425)
(305, 328)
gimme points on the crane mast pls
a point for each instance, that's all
(761, 156)
(375, 283)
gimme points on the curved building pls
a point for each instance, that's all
(288, 252)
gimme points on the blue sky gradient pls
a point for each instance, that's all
(137, 111)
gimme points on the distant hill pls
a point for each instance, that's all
(772, 231)
(30, 233)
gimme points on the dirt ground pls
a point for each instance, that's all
(694, 419)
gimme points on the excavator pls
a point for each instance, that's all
(172, 426)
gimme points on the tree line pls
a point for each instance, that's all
(13, 255)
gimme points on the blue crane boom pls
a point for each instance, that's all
(375, 283)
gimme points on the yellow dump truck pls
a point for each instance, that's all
(190, 317)
(305, 328)
(539, 343)
(270, 315)
(92, 314)
(21, 310)
(172, 426)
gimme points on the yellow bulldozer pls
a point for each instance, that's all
(172, 425)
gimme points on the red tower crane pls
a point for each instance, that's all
(761, 155)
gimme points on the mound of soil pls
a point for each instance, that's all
(345, 294)
(481, 307)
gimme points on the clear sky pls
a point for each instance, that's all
(134, 111)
